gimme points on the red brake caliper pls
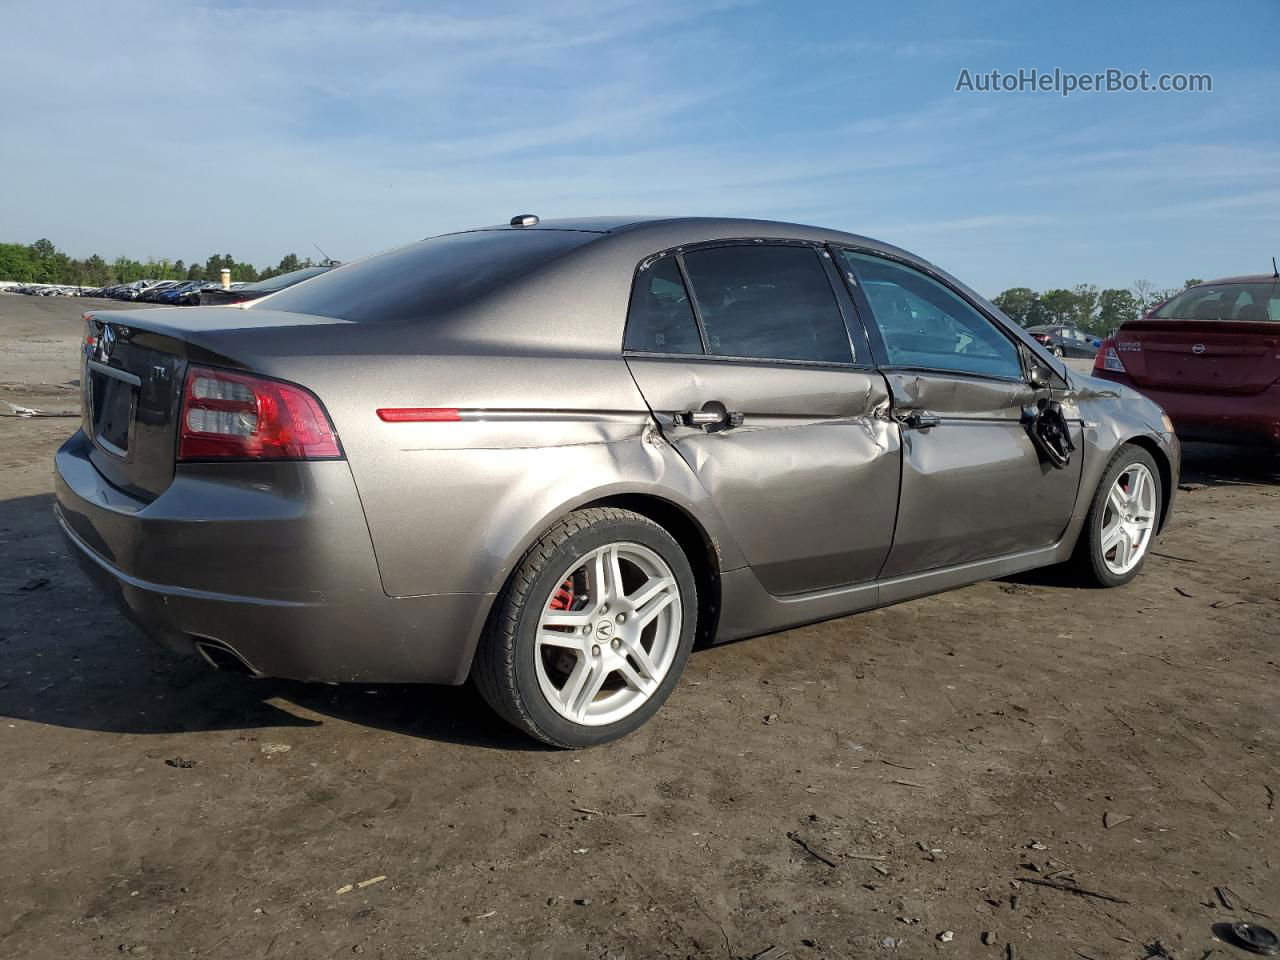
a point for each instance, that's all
(562, 599)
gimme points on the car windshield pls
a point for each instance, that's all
(1258, 301)
(420, 279)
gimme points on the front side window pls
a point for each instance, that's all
(927, 326)
(661, 318)
(767, 301)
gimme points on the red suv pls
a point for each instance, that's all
(1210, 356)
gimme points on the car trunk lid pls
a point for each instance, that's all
(133, 370)
(1209, 356)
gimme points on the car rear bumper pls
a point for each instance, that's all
(1215, 417)
(270, 561)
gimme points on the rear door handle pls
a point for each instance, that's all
(699, 418)
(919, 420)
(709, 418)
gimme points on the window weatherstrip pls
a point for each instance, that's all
(761, 361)
(693, 304)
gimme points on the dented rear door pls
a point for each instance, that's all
(805, 476)
(760, 377)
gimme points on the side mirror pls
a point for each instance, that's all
(1039, 376)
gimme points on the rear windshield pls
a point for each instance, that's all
(1225, 301)
(421, 279)
(282, 280)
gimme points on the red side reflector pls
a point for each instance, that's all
(418, 414)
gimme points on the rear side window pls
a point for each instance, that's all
(414, 282)
(767, 301)
(927, 326)
(661, 317)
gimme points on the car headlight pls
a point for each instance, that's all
(1168, 424)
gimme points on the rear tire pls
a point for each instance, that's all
(591, 632)
(1122, 520)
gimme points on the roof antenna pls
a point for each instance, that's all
(328, 260)
(1274, 272)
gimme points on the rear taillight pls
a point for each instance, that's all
(235, 416)
(1107, 357)
(1043, 338)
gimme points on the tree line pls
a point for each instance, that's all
(1084, 306)
(42, 262)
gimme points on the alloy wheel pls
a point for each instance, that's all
(608, 634)
(1129, 519)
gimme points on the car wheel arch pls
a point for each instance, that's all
(694, 540)
(705, 551)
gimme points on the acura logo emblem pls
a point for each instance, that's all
(604, 630)
(1198, 348)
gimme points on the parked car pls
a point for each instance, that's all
(239, 293)
(1066, 341)
(180, 293)
(550, 456)
(130, 291)
(157, 291)
(1210, 356)
(45, 290)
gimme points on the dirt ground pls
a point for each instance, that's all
(932, 771)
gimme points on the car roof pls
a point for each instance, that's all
(670, 232)
(696, 226)
(1247, 278)
(604, 224)
(600, 270)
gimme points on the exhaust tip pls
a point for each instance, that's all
(221, 656)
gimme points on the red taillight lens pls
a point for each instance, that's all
(234, 416)
(1107, 358)
(1043, 338)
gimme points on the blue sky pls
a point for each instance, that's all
(153, 128)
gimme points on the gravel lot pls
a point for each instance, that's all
(931, 769)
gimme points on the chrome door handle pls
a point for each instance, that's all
(709, 418)
(919, 420)
(699, 418)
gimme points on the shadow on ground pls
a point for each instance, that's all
(1215, 465)
(68, 659)
(1203, 464)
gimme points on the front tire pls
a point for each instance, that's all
(1122, 520)
(592, 631)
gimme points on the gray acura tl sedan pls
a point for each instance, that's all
(551, 456)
